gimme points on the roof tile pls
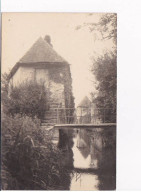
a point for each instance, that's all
(41, 51)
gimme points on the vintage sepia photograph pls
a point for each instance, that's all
(58, 101)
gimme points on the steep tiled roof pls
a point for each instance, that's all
(41, 51)
(85, 102)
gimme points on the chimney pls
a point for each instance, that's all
(48, 39)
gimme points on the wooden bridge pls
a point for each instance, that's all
(79, 118)
(69, 126)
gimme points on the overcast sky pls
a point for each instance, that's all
(21, 30)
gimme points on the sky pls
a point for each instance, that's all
(21, 30)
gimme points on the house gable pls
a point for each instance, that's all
(41, 51)
(40, 54)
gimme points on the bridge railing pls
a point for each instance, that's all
(84, 115)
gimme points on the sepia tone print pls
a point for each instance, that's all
(59, 101)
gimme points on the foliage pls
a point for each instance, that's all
(104, 71)
(28, 98)
(4, 83)
(107, 26)
(108, 162)
(105, 68)
(4, 89)
(29, 159)
(69, 98)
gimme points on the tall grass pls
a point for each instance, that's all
(29, 160)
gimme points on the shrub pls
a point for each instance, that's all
(28, 98)
(29, 159)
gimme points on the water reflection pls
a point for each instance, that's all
(90, 157)
(84, 182)
(87, 149)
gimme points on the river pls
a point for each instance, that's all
(90, 156)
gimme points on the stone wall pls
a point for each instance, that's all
(61, 85)
(56, 85)
(69, 99)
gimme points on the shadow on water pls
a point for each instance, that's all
(89, 159)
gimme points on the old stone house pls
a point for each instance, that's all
(42, 64)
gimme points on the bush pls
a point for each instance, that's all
(29, 98)
(29, 159)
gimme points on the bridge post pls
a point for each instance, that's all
(104, 116)
(63, 139)
(57, 116)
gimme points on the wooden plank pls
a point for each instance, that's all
(85, 125)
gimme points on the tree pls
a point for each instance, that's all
(104, 70)
(104, 66)
(107, 26)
